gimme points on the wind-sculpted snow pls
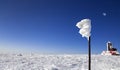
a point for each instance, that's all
(57, 62)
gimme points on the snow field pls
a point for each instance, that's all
(57, 62)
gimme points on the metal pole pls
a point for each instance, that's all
(89, 53)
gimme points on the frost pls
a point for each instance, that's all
(85, 27)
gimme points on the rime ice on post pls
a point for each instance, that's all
(85, 27)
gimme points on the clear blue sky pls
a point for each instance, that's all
(48, 26)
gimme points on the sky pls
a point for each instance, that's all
(49, 26)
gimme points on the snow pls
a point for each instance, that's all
(85, 27)
(34, 61)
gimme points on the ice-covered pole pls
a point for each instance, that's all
(85, 29)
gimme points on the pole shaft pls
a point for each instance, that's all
(89, 54)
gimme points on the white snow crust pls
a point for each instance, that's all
(57, 62)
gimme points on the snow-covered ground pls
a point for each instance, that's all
(57, 62)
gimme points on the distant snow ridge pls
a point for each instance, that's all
(57, 62)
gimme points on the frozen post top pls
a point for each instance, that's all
(85, 27)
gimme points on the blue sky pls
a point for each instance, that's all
(48, 26)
